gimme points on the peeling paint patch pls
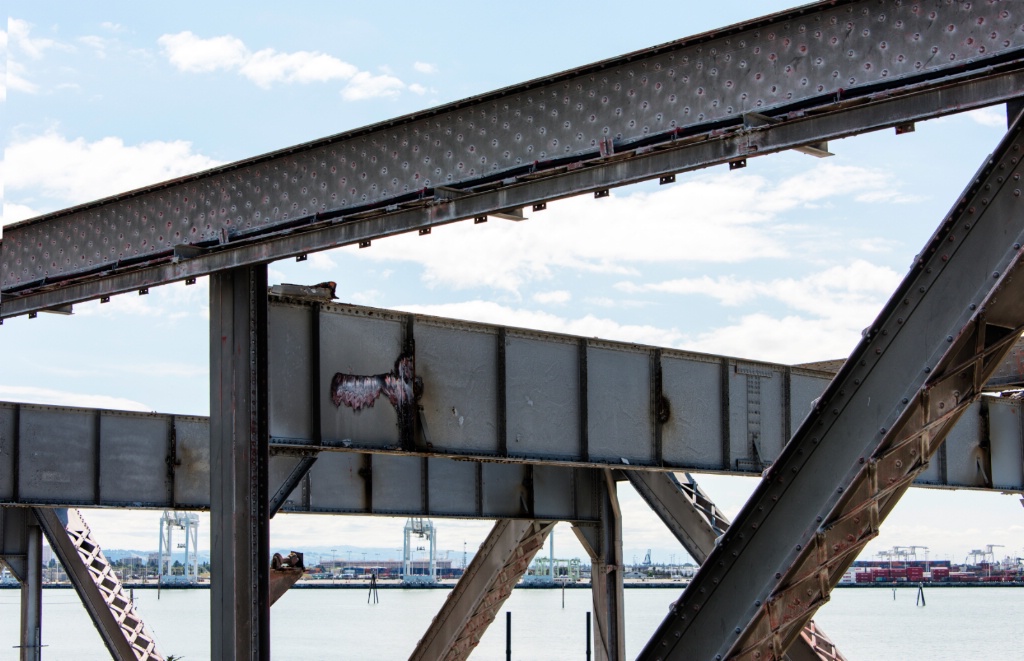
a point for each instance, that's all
(359, 392)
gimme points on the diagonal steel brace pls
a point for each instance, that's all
(920, 364)
(695, 521)
(469, 609)
(112, 611)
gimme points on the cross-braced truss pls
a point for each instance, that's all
(794, 80)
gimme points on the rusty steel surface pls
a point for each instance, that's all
(692, 517)
(823, 56)
(923, 361)
(285, 571)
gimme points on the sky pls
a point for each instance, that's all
(785, 260)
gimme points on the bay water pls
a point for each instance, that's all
(957, 624)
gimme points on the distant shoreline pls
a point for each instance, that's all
(352, 585)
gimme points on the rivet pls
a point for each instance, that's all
(927, 370)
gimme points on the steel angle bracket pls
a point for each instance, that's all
(922, 362)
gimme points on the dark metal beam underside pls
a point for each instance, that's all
(828, 70)
(155, 461)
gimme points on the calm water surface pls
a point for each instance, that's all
(867, 624)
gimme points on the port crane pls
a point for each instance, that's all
(423, 529)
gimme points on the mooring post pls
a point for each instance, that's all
(508, 635)
(239, 454)
(588, 635)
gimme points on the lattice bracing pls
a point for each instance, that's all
(109, 585)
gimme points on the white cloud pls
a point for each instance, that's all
(96, 43)
(790, 339)
(15, 42)
(588, 326)
(992, 116)
(833, 306)
(169, 302)
(267, 67)
(365, 85)
(321, 261)
(72, 171)
(15, 212)
(113, 27)
(32, 395)
(727, 290)
(838, 289)
(16, 79)
(710, 218)
(424, 67)
(416, 88)
(19, 38)
(191, 53)
(556, 297)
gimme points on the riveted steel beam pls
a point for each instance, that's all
(607, 124)
(239, 522)
(515, 417)
(695, 521)
(923, 361)
(472, 605)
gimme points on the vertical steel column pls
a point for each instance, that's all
(21, 549)
(604, 545)
(32, 595)
(239, 455)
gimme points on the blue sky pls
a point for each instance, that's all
(786, 260)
